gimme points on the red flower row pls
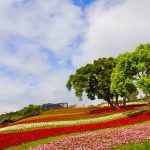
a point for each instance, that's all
(16, 138)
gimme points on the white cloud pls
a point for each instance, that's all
(114, 30)
(52, 23)
(26, 59)
(28, 29)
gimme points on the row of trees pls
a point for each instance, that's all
(110, 78)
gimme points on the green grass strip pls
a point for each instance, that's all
(137, 146)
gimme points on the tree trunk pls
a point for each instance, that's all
(124, 101)
(110, 102)
(148, 102)
(117, 102)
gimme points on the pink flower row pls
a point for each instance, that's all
(100, 140)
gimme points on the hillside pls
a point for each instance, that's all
(79, 128)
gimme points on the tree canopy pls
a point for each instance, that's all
(122, 75)
(132, 71)
(93, 80)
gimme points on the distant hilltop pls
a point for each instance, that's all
(28, 111)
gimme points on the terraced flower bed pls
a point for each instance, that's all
(61, 123)
(9, 139)
(90, 112)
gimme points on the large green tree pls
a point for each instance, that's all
(93, 80)
(132, 70)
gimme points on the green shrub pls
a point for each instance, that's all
(30, 110)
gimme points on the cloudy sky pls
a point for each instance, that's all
(43, 41)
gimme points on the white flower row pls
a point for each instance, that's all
(61, 123)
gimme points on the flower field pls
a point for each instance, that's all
(83, 112)
(29, 132)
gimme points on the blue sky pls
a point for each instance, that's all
(83, 3)
(43, 42)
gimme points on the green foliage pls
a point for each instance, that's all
(132, 71)
(23, 113)
(93, 79)
(121, 78)
(142, 59)
(144, 84)
(31, 110)
(13, 116)
(80, 81)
